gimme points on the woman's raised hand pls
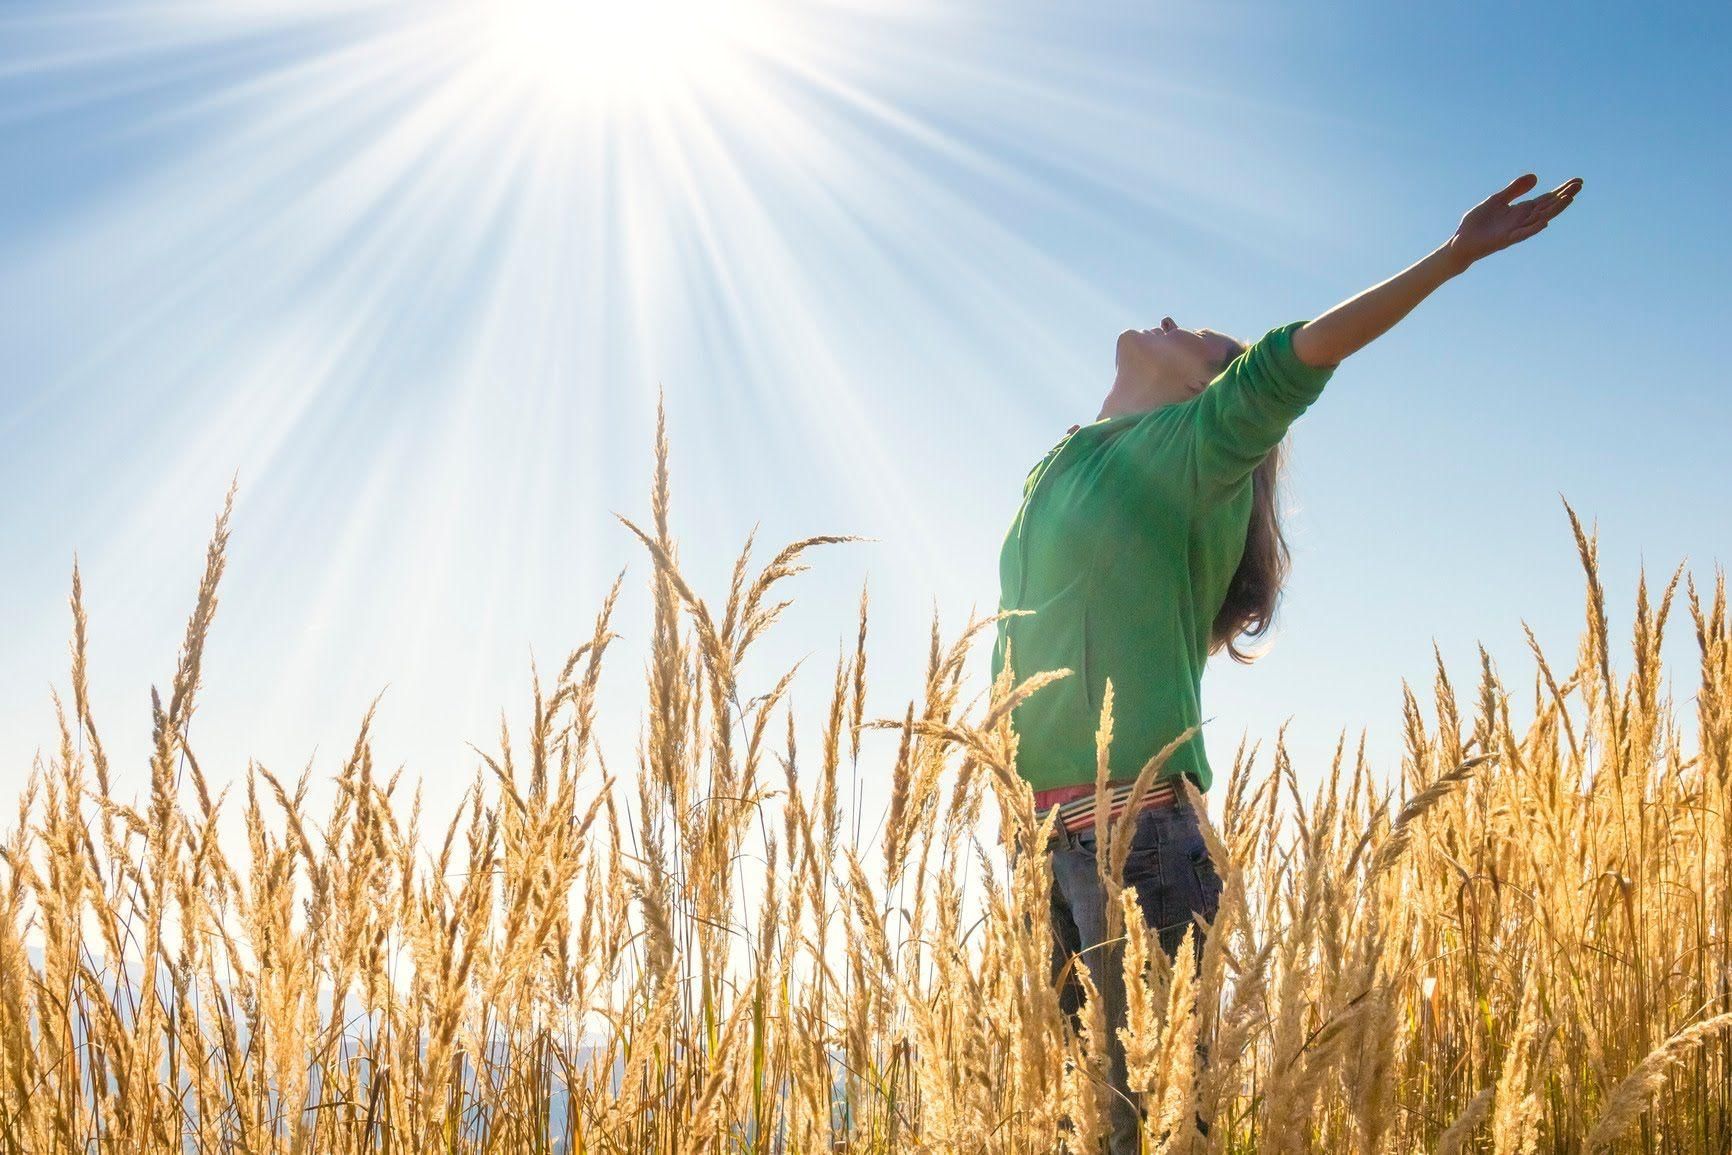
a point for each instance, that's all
(1495, 223)
(1499, 221)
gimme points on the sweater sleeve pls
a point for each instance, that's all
(1245, 411)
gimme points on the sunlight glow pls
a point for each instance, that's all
(423, 267)
(588, 53)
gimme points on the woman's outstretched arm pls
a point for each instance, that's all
(1495, 223)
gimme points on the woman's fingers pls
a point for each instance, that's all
(1514, 189)
(1545, 207)
(1559, 198)
(1556, 204)
(1550, 204)
(1549, 201)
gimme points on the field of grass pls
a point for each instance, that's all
(1519, 943)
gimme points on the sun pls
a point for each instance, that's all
(596, 54)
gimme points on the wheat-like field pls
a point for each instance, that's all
(1518, 942)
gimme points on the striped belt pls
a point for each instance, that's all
(1076, 804)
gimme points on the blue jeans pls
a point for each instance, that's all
(1170, 870)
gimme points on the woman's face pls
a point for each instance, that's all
(1168, 364)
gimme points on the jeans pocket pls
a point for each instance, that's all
(1143, 856)
(1209, 884)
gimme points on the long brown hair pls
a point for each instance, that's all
(1249, 608)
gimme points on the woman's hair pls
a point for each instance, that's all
(1249, 608)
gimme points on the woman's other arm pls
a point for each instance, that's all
(1495, 223)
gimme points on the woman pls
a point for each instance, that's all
(1146, 542)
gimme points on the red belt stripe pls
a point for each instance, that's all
(1076, 804)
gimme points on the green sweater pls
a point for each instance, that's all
(1127, 538)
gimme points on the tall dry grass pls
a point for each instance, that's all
(1527, 951)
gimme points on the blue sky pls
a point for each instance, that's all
(420, 296)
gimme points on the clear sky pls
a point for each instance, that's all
(415, 272)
